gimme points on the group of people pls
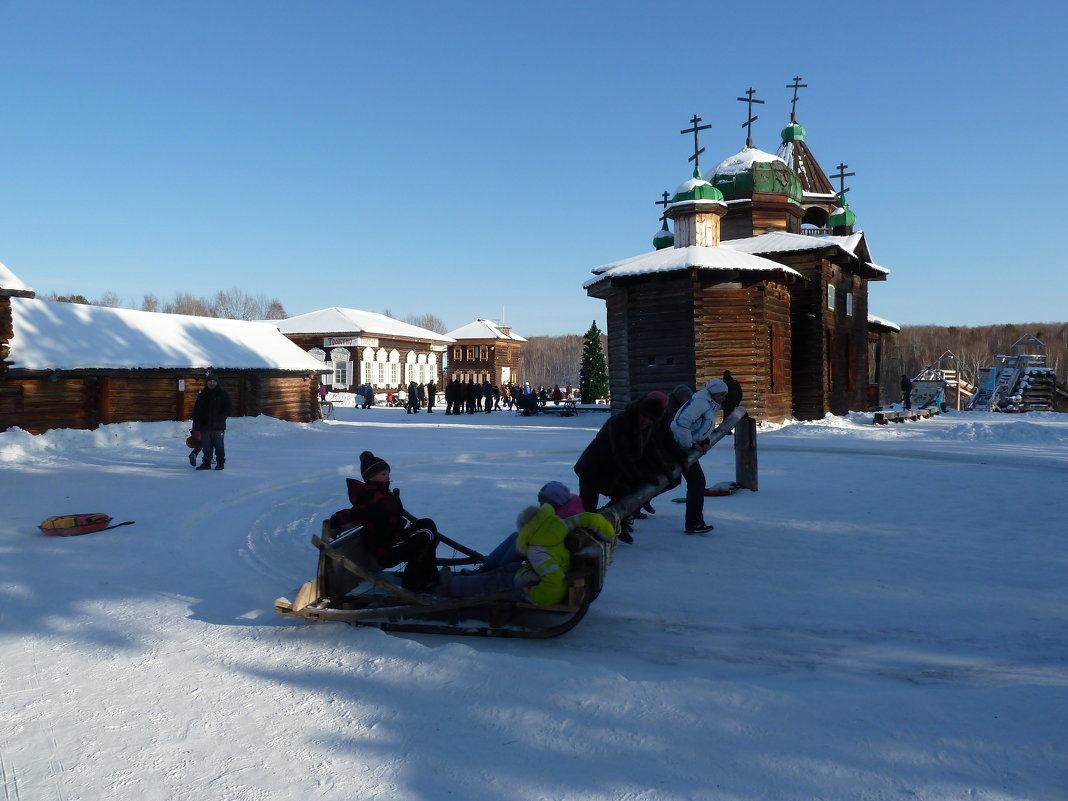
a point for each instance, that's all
(646, 441)
(533, 561)
(639, 446)
(461, 396)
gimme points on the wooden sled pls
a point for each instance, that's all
(349, 587)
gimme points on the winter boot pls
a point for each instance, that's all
(219, 464)
(204, 466)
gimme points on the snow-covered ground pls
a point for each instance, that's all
(884, 619)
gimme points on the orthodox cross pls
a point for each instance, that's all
(664, 203)
(841, 175)
(749, 122)
(795, 86)
(697, 151)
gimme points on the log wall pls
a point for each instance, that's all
(746, 328)
(65, 400)
(660, 337)
(830, 355)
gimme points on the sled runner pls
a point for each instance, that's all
(349, 587)
(72, 525)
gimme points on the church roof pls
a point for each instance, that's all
(782, 242)
(10, 283)
(881, 323)
(724, 257)
(52, 335)
(799, 158)
(337, 320)
(483, 329)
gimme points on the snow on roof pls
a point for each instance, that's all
(783, 242)
(11, 282)
(880, 321)
(337, 320)
(744, 160)
(483, 329)
(689, 184)
(50, 335)
(672, 259)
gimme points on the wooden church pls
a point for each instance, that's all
(763, 276)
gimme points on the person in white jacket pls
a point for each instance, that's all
(692, 426)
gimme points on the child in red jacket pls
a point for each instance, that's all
(391, 538)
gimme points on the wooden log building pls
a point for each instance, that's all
(357, 347)
(485, 351)
(764, 277)
(68, 365)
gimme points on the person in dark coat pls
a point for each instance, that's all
(906, 391)
(734, 394)
(431, 396)
(209, 418)
(450, 395)
(390, 536)
(622, 455)
(413, 397)
(471, 395)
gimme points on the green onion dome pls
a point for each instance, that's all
(794, 132)
(842, 216)
(697, 188)
(664, 238)
(754, 171)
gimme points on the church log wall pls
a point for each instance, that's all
(746, 329)
(660, 337)
(618, 351)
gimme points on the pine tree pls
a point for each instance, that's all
(593, 373)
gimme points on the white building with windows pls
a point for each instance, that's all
(361, 347)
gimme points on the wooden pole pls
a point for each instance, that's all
(745, 454)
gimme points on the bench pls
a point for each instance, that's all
(900, 416)
(564, 408)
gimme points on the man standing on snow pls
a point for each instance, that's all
(209, 417)
(906, 389)
(692, 427)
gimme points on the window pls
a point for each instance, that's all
(849, 304)
(342, 374)
(342, 367)
(830, 297)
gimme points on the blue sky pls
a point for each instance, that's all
(477, 159)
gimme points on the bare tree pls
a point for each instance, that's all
(150, 303)
(275, 311)
(236, 304)
(109, 299)
(427, 321)
(186, 303)
(552, 360)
